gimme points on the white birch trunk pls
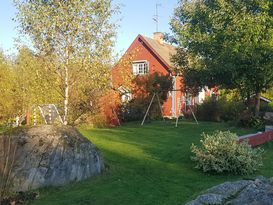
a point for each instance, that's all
(66, 95)
(66, 89)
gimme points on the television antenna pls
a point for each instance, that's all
(156, 16)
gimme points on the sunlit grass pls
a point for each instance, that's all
(147, 165)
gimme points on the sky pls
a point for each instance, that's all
(136, 17)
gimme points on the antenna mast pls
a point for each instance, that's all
(156, 16)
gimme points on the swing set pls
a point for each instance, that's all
(183, 100)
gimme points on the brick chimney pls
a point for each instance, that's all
(158, 36)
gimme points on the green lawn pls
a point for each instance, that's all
(145, 165)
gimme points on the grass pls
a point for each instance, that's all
(145, 165)
(2, 129)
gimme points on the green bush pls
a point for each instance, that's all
(145, 87)
(247, 119)
(209, 110)
(132, 111)
(267, 107)
(257, 123)
(221, 153)
(270, 105)
(219, 110)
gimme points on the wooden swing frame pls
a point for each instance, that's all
(155, 95)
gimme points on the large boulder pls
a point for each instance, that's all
(46, 156)
(251, 192)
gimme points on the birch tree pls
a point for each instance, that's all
(33, 84)
(76, 36)
(7, 84)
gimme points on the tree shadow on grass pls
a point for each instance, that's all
(131, 180)
(160, 140)
(146, 165)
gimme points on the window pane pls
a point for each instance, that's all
(140, 68)
(135, 69)
(145, 68)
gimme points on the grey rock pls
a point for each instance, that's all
(250, 192)
(229, 189)
(47, 156)
(260, 179)
(271, 180)
(213, 199)
(261, 193)
(195, 202)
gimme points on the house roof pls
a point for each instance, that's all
(162, 50)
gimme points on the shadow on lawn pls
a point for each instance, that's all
(130, 180)
(160, 140)
(146, 165)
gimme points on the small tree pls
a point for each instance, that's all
(34, 85)
(76, 36)
(8, 101)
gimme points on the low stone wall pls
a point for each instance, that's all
(258, 138)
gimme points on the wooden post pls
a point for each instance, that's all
(179, 112)
(193, 115)
(148, 109)
(28, 116)
(159, 104)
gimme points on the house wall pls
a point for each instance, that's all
(136, 52)
(122, 71)
(179, 100)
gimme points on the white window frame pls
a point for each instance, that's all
(126, 95)
(138, 67)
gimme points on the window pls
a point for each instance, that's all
(126, 95)
(140, 67)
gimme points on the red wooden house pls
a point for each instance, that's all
(148, 56)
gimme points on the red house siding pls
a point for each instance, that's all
(139, 50)
(136, 52)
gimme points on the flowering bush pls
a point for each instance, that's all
(221, 153)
